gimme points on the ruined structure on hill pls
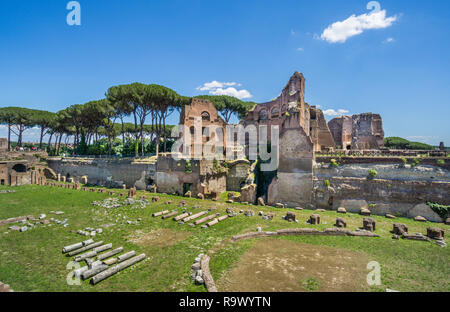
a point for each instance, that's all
(292, 101)
(15, 173)
(198, 115)
(358, 132)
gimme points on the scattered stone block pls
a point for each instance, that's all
(182, 203)
(230, 210)
(291, 217)
(447, 221)
(400, 229)
(279, 205)
(249, 213)
(200, 196)
(340, 223)
(369, 224)
(365, 212)
(188, 194)
(132, 192)
(156, 199)
(230, 201)
(435, 233)
(389, 216)
(341, 210)
(298, 208)
(314, 219)
(261, 201)
(420, 219)
(320, 210)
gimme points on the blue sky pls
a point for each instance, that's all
(397, 66)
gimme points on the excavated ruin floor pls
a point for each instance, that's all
(282, 265)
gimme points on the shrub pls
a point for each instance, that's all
(442, 210)
(326, 183)
(440, 162)
(372, 173)
(334, 163)
(404, 160)
(188, 168)
(415, 162)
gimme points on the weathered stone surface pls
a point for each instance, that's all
(353, 205)
(156, 199)
(261, 201)
(418, 237)
(314, 219)
(423, 210)
(365, 212)
(340, 223)
(290, 216)
(249, 213)
(435, 233)
(369, 224)
(400, 229)
(248, 193)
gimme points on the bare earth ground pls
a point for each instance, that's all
(281, 265)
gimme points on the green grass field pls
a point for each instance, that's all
(32, 260)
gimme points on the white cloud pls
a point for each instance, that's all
(389, 40)
(225, 88)
(208, 86)
(333, 113)
(300, 49)
(355, 25)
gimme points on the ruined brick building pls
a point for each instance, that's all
(292, 101)
(15, 173)
(358, 132)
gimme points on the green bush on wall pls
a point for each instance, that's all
(372, 173)
(326, 183)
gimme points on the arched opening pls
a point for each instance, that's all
(206, 116)
(275, 112)
(263, 115)
(19, 168)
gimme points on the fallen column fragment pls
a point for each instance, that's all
(103, 248)
(94, 271)
(126, 256)
(77, 246)
(110, 253)
(173, 213)
(115, 269)
(206, 219)
(85, 256)
(223, 218)
(157, 214)
(181, 216)
(195, 216)
(213, 222)
(88, 247)
(110, 261)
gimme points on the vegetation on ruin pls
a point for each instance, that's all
(32, 260)
(326, 183)
(442, 210)
(373, 173)
(440, 162)
(400, 143)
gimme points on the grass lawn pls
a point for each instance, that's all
(32, 260)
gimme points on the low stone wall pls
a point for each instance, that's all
(305, 231)
(100, 171)
(386, 171)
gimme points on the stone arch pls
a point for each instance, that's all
(263, 115)
(19, 168)
(206, 116)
